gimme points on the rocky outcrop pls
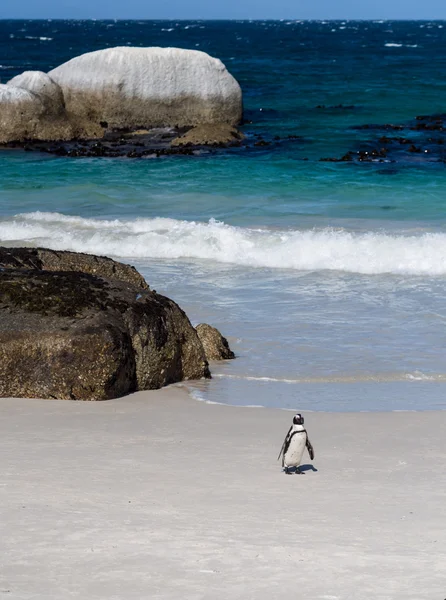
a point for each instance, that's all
(21, 112)
(41, 84)
(141, 87)
(120, 89)
(218, 134)
(215, 345)
(42, 259)
(32, 107)
(74, 335)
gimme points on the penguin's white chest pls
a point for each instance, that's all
(294, 453)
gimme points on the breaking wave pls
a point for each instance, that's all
(163, 238)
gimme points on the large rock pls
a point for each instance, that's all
(147, 87)
(73, 335)
(41, 84)
(42, 259)
(215, 345)
(32, 108)
(20, 113)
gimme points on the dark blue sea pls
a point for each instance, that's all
(328, 278)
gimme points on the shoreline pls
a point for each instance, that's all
(159, 495)
(195, 397)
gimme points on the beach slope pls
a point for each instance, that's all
(158, 496)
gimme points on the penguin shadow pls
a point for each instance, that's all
(304, 468)
(301, 470)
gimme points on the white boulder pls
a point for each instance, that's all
(32, 108)
(146, 87)
(41, 84)
(20, 113)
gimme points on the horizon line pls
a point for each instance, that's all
(281, 19)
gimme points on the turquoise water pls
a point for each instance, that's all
(327, 278)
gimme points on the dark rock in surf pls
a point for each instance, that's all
(215, 345)
(43, 259)
(76, 335)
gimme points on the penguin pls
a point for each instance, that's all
(294, 445)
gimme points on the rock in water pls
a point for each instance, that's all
(32, 108)
(20, 113)
(42, 259)
(42, 117)
(74, 335)
(148, 87)
(215, 345)
(41, 84)
(218, 134)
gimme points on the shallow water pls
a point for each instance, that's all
(327, 278)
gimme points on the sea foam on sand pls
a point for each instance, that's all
(157, 496)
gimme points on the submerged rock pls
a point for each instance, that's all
(147, 87)
(218, 134)
(75, 335)
(422, 141)
(215, 345)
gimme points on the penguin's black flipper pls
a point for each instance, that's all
(310, 448)
(285, 442)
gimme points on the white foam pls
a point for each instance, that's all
(304, 250)
(196, 395)
(356, 378)
(42, 39)
(392, 45)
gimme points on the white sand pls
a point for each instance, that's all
(158, 496)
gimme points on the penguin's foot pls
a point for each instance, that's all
(298, 471)
(287, 470)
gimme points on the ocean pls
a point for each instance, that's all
(327, 278)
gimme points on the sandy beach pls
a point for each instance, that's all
(159, 496)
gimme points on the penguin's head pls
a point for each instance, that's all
(298, 419)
